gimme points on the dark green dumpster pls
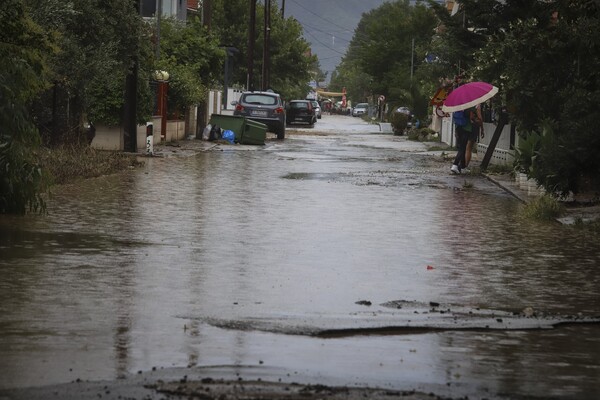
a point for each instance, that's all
(233, 123)
(254, 133)
(246, 131)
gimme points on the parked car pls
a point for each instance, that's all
(300, 111)
(317, 108)
(265, 107)
(360, 109)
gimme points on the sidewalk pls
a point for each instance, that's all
(573, 213)
(508, 183)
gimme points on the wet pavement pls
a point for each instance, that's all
(339, 256)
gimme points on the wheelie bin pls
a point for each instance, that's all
(233, 123)
(254, 133)
(246, 130)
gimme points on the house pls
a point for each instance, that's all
(170, 8)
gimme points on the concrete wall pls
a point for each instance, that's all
(214, 102)
(112, 137)
(175, 130)
(108, 138)
(191, 121)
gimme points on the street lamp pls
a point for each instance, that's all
(161, 76)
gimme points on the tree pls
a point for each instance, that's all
(546, 67)
(98, 39)
(193, 59)
(23, 74)
(290, 56)
(382, 59)
(230, 26)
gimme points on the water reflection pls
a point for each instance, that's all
(116, 278)
(518, 263)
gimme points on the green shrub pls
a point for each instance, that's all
(423, 135)
(22, 179)
(399, 122)
(545, 208)
(71, 162)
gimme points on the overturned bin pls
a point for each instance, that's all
(246, 131)
(254, 133)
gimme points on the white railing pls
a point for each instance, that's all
(503, 154)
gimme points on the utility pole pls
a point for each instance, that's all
(282, 8)
(502, 121)
(130, 106)
(412, 58)
(251, 35)
(158, 21)
(266, 46)
(201, 117)
(207, 13)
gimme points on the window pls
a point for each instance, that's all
(169, 8)
(299, 104)
(260, 99)
(148, 8)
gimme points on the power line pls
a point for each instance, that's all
(319, 16)
(325, 32)
(325, 45)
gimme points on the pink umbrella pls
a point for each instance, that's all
(468, 95)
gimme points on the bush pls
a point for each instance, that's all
(71, 162)
(545, 208)
(399, 122)
(22, 180)
(423, 135)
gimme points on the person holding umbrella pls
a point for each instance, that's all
(466, 133)
(463, 102)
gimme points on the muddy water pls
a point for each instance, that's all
(130, 272)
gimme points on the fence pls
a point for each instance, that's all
(504, 153)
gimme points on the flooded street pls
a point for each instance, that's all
(302, 260)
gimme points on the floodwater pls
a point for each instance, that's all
(237, 259)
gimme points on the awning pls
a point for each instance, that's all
(329, 94)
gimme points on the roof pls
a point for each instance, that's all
(193, 5)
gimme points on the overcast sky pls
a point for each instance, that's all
(329, 25)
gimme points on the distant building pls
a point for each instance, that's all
(170, 8)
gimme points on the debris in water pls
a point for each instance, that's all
(528, 312)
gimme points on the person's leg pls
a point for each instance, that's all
(469, 149)
(461, 144)
(471, 140)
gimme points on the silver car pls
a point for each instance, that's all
(360, 109)
(317, 108)
(265, 107)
